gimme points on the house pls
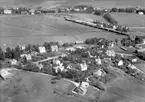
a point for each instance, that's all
(13, 61)
(22, 47)
(140, 13)
(7, 11)
(111, 44)
(98, 61)
(81, 89)
(42, 49)
(132, 66)
(40, 66)
(28, 56)
(54, 48)
(34, 53)
(120, 63)
(70, 49)
(110, 53)
(56, 62)
(58, 68)
(32, 11)
(79, 42)
(80, 47)
(99, 73)
(83, 66)
(5, 74)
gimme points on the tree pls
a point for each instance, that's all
(8, 53)
(2, 55)
(138, 40)
(114, 10)
(111, 20)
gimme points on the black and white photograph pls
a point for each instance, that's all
(72, 50)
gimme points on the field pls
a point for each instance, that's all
(38, 29)
(131, 20)
(125, 89)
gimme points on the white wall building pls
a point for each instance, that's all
(13, 61)
(6, 11)
(83, 66)
(28, 56)
(54, 48)
(120, 63)
(70, 49)
(42, 49)
(5, 74)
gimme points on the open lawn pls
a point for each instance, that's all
(125, 89)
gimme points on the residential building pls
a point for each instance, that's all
(13, 61)
(81, 89)
(98, 61)
(22, 47)
(42, 49)
(7, 11)
(140, 13)
(5, 74)
(58, 68)
(120, 63)
(32, 11)
(56, 62)
(70, 49)
(28, 56)
(79, 42)
(99, 73)
(83, 66)
(110, 53)
(54, 48)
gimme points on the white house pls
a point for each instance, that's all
(7, 11)
(132, 66)
(57, 68)
(54, 48)
(5, 74)
(83, 66)
(70, 49)
(140, 13)
(110, 53)
(98, 61)
(28, 56)
(99, 73)
(13, 61)
(22, 47)
(79, 42)
(120, 63)
(42, 49)
(56, 62)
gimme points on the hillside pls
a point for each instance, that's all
(33, 87)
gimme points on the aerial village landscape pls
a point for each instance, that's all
(80, 53)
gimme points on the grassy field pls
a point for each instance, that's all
(125, 89)
(131, 20)
(34, 87)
